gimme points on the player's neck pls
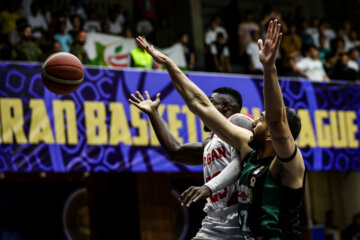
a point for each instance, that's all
(267, 151)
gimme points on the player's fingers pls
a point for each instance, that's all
(201, 196)
(192, 199)
(277, 31)
(273, 31)
(269, 33)
(260, 44)
(158, 96)
(140, 96)
(147, 95)
(189, 197)
(278, 40)
(132, 102)
(135, 98)
(185, 193)
(198, 197)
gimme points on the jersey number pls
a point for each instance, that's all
(243, 220)
(220, 195)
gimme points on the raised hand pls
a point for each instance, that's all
(193, 194)
(158, 56)
(146, 105)
(268, 51)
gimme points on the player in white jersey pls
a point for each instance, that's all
(221, 221)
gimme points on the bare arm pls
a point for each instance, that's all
(292, 172)
(188, 154)
(199, 103)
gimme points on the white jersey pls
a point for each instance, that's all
(217, 155)
(221, 221)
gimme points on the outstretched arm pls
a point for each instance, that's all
(198, 102)
(188, 154)
(292, 172)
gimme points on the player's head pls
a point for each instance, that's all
(227, 101)
(261, 133)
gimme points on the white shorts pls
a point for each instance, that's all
(220, 224)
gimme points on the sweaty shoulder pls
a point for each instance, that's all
(241, 120)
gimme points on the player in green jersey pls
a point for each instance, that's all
(271, 183)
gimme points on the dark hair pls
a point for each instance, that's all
(220, 34)
(293, 121)
(231, 92)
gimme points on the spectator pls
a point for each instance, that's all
(329, 220)
(105, 28)
(63, 38)
(46, 9)
(164, 34)
(78, 9)
(67, 19)
(128, 33)
(252, 51)
(352, 232)
(188, 51)
(311, 67)
(291, 44)
(353, 39)
(306, 39)
(26, 49)
(78, 48)
(76, 26)
(353, 55)
(323, 50)
(144, 27)
(214, 30)
(330, 63)
(245, 29)
(338, 47)
(328, 31)
(321, 31)
(342, 70)
(9, 16)
(290, 69)
(220, 54)
(340, 34)
(92, 24)
(55, 47)
(116, 26)
(37, 21)
(331, 230)
(139, 58)
(312, 30)
(14, 35)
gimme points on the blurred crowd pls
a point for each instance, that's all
(313, 49)
(333, 232)
(310, 48)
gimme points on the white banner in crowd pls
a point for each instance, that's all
(113, 51)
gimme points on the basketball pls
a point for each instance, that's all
(62, 73)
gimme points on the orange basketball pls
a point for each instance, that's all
(62, 73)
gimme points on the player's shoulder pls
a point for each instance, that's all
(240, 116)
(241, 120)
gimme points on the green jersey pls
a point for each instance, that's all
(267, 210)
